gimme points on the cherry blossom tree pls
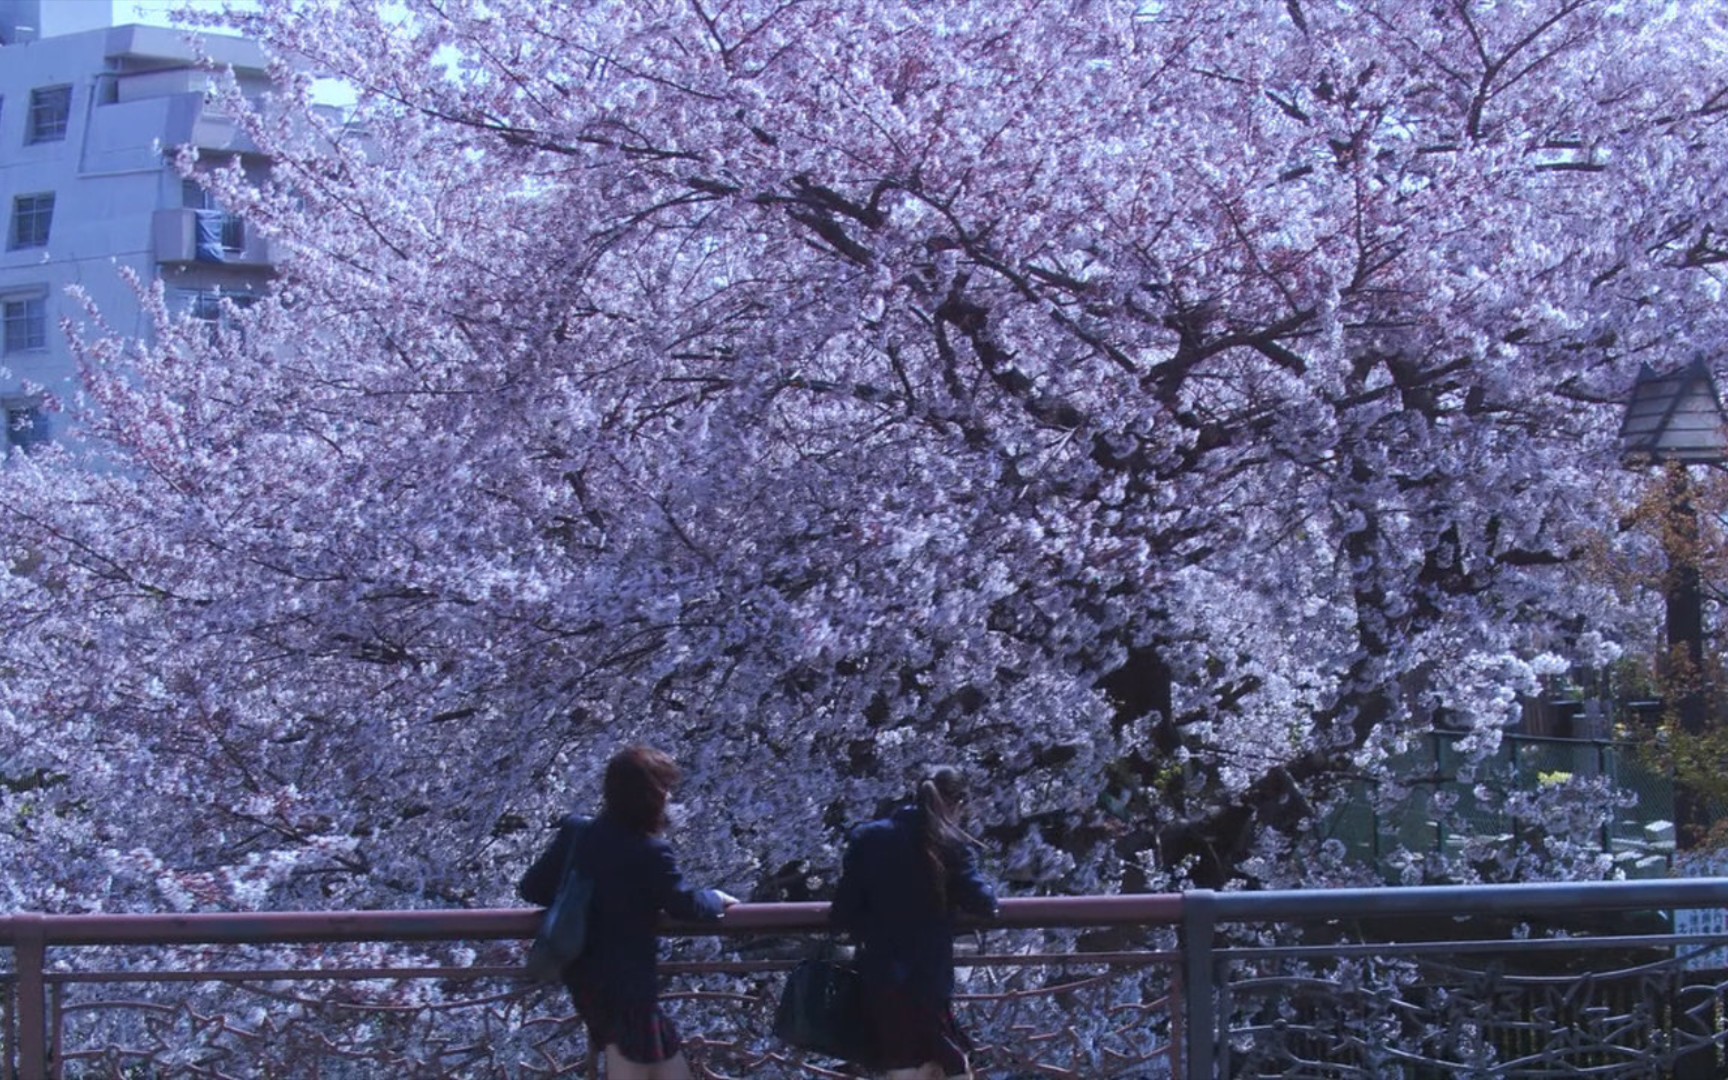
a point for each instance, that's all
(1163, 409)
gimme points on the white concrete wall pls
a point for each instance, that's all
(29, 20)
(110, 177)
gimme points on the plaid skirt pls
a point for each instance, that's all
(913, 1030)
(639, 1029)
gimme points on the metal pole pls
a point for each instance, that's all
(1199, 932)
(29, 953)
(1684, 626)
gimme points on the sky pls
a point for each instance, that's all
(153, 12)
(156, 13)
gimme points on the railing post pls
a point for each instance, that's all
(1199, 995)
(29, 956)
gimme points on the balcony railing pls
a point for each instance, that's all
(184, 235)
(1620, 979)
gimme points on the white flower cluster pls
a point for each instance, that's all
(1163, 417)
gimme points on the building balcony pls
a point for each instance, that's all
(133, 135)
(214, 130)
(209, 237)
(1617, 979)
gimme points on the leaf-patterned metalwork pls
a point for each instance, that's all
(1439, 1016)
(1047, 1015)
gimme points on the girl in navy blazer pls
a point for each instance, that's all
(613, 983)
(902, 881)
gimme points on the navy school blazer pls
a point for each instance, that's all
(635, 878)
(887, 900)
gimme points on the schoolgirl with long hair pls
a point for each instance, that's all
(903, 882)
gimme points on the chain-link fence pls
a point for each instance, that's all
(1453, 799)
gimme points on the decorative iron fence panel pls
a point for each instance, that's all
(1047, 1017)
(1428, 1017)
(1541, 980)
(1458, 983)
(152, 998)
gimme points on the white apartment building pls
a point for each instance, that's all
(90, 121)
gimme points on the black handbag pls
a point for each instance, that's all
(564, 928)
(822, 1009)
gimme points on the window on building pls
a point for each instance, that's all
(26, 426)
(215, 308)
(205, 306)
(220, 233)
(31, 217)
(23, 323)
(50, 109)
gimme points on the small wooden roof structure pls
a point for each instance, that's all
(1674, 417)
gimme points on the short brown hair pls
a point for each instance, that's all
(639, 783)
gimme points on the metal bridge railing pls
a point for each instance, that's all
(1510, 980)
